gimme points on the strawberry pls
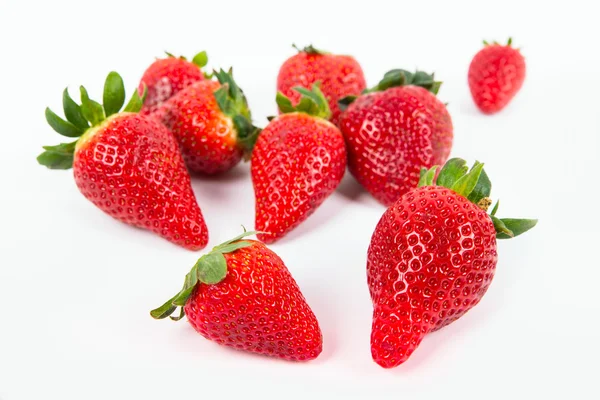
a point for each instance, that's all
(393, 130)
(340, 76)
(298, 161)
(212, 123)
(432, 257)
(242, 295)
(167, 76)
(496, 74)
(127, 164)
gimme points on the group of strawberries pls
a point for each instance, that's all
(432, 255)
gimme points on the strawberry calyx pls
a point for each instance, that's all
(475, 185)
(313, 102)
(401, 77)
(82, 118)
(232, 102)
(210, 269)
(508, 43)
(395, 78)
(310, 49)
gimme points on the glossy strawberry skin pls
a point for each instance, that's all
(164, 78)
(340, 76)
(432, 257)
(131, 168)
(297, 162)
(258, 307)
(391, 134)
(206, 135)
(496, 74)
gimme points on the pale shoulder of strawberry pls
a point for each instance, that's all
(313, 102)
(83, 118)
(475, 185)
(397, 78)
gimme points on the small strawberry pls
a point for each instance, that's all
(212, 123)
(127, 164)
(167, 76)
(496, 74)
(340, 76)
(432, 257)
(298, 161)
(393, 130)
(242, 295)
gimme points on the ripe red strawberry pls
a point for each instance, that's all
(127, 164)
(340, 76)
(393, 130)
(212, 123)
(242, 295)
(167, 76)
(432, 257)
(298, 161)
(496, 74)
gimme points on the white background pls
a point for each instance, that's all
(76, 286)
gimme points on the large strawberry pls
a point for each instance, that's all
(242, 295)
(432, 257)
(212, 123)
(298, 161)
(340, 76)
(393, 130)
(127, 164)
(496, 74)
(167, 76)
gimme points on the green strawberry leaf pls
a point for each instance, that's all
(165, 310)
(231, 247)
(515, 226)
(465, 185)
(61, 126)
(114, 93)
(73, 112)
(476, 186)
(58, 157)
(453, 170)
(501, 228)
(181, 298)
(427, 176)
(232, 102)
(344, 102)
(91, 110)
(482, 189)
(402, 77)
(284, 103)
(200, 59)
(310, 49)
(495, 209)
(313, 102)
(212, 268)
(136, 102)
(180, 316)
